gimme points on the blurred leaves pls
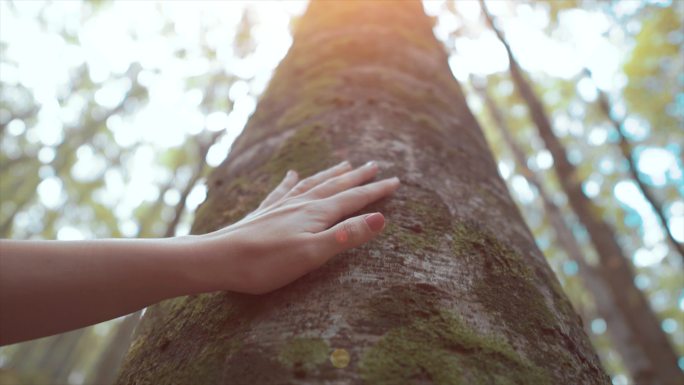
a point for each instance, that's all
(655, 85)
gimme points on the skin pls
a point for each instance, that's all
(48, 287)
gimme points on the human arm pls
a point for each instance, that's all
(47, 287)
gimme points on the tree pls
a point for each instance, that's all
(615, 267)
(455, 290)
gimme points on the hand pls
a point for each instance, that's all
(71, 284)
(295, 230)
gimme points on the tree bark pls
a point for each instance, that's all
(615, 267)
(622, 337)
(454, 291)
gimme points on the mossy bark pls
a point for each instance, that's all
(454, 291)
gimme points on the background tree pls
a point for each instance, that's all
(615, 266)
(455, 290)
(627, 150)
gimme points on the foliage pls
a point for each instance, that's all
(654, 70)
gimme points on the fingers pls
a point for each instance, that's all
(285, 185)
(308, 183)
(345, 181)
(347, 234)
(347, 202)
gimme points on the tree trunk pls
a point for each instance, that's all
(454, 291)
(622, 337)
(615, 267)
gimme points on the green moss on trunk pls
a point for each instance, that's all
(504, 271)
(432, 343)
(304, 354)
(306, 150)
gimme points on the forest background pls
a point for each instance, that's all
(113, 113)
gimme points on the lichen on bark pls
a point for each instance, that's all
(165, 351)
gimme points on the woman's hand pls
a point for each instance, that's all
(48, 287)
(294, 231)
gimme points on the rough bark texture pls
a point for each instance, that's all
(622, 337)
(454, 291)
(615, 267)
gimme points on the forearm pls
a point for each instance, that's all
(47, 287)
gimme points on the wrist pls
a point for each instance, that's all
(205, 261)
(186, 252)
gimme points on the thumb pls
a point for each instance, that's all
(352, 232)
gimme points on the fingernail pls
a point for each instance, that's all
(290, 174)
(375, 221)
(343, 164)
(370, 163)
(392, 180)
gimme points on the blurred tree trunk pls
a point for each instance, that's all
(615, 267)
(203, 145)
(109, 361)
(46, 359)
(622, 337)
(60, 357)
(454, 291)
(628, 153)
